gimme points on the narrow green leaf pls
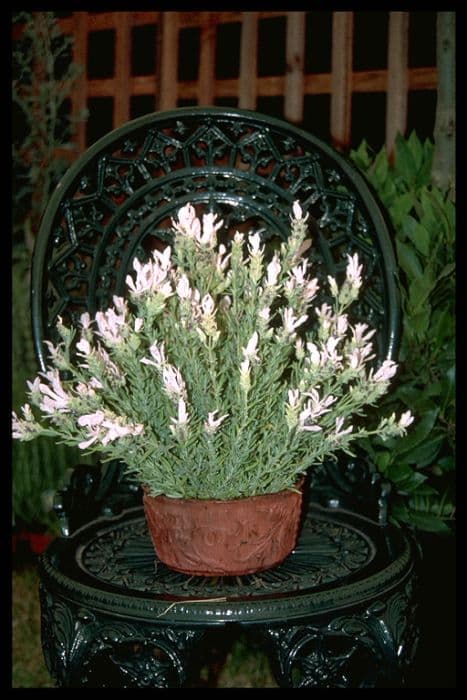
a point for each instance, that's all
(408, 260)
(411, 482)
(416, 149)
(417, 233)
(446, 464)
(425, 453)
(428, 522)
(405, 165)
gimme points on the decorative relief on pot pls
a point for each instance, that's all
(224, 538)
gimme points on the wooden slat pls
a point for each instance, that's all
(207, 60)
(141, 18)
(168, 92)
(247, 90)
(342, 39)
(397, 87)
(295, 63)
(124, 23)
(79, 93)
(270, 86)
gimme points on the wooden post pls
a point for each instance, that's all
(248, 61)
(123, 24)
(295, 63)
(444, 159)
(207, 60)
(79, 94)
(168, 88)
(341, 85)
(396, 104)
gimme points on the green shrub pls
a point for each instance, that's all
(420, 466)
(42, 77)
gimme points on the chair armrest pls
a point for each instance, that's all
(94, 491)
(355, 485)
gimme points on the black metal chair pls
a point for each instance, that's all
(340, 611)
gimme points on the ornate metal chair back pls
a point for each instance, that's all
(117, 200)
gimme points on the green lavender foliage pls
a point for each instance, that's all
(421, 465)
(42, 77)
(196, 389)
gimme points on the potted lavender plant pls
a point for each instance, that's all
(204, 383)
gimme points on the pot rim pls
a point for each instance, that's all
(297, 489)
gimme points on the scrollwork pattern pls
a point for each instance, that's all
(85, 649)
(367, 648)
(121, 201)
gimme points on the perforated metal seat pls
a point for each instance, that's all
(339, 612)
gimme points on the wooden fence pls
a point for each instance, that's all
(247, 88)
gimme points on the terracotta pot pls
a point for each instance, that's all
(224, 538)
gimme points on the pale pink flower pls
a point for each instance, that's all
(116, 430)
(265, 313)
(183, 288)
(158, 355)
(94, 434)
(298, 213)
(222, 259)
(108, 366)
(211, 425)
(84, 347)
(120, 305)
(188, 224)
(24, 429)
(354, 271)
(333, 286)
(55, 398)
(162, 260)
(84, 389)
(92, 419)
(111, 326)
(299, 351)
(225, 303)
(342, 323)
(314, 355)
(329, 352)
(210, 228)
(299, 272)
(138, 324)
(317, 406)
(144, 278)
(207, 305)
(173, 381)
(293, 396)
(85, 320)
(273, 270)
(291, 322)
(406, 419)
(310, 289)
(19, 429)
(54, 352)
(324, 312)
(305, 415)
(251, 348)
(254, 244)
(180, 423)
(34, 387)
(387, 370)
(339, 423)
(359, 335)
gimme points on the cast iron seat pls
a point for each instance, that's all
(340, 611)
